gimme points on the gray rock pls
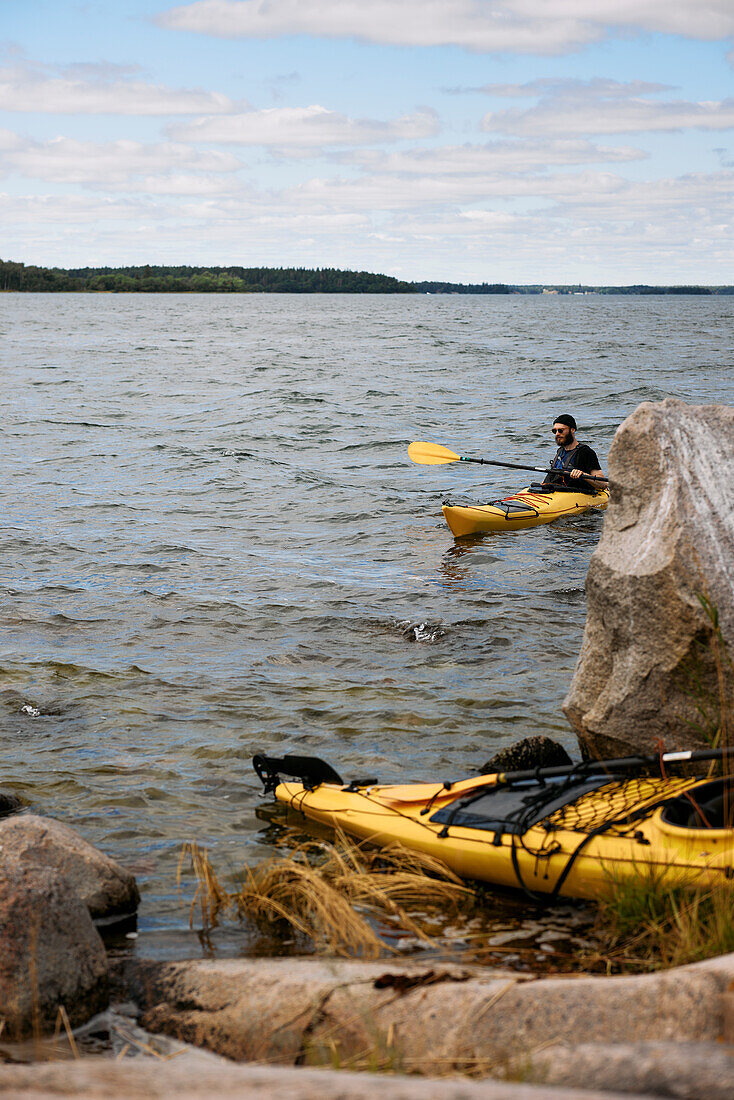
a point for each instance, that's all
(685, 1070)
(422, 1019)
(531, 752)
(51, 954)
(100, 1079)
(486, 1026)
(647, 665)
(105, 887)
(248, 1009)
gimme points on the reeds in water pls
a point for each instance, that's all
(327, 893)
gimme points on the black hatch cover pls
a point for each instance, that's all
(514, 809)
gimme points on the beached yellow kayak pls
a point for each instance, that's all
(526, 508)
(566, 836)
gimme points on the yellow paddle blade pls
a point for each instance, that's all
(431, 454)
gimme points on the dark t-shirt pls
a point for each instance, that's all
(583, 458)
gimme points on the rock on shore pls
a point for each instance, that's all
(427, 1019)
(105, 887)
(51, 955)
(96, 1079)
(52, 884)
(647, 670)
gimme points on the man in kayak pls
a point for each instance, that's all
(574, 459)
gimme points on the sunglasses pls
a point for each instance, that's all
(558, 431)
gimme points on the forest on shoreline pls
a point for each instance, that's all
(279, 280)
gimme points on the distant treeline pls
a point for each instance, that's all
(218, 280)
(547, 288)
(280, 280)
(464, 288)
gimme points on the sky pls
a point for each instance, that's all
(517, 141)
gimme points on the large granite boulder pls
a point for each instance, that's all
(51, 955)
(30, 841)
(651, 665)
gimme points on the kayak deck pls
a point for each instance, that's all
(570, 841)
(526, 508)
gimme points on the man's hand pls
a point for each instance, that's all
(582, 473)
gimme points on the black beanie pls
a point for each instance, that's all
(567, 419)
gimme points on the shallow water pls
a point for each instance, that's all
(213, 543)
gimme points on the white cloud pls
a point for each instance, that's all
(491, 157)
(60, 213)
(523, 26)
(602, 107)
(91, 89)
(394, 193)
(9, 141)
(311, 127)
(573, 88)
(116, 165)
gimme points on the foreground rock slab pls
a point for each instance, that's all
(418, 1019)
(685, 1070)
(647, 668)
(30, 841)
(98, 1079)
(256, 1009)
(51, 955)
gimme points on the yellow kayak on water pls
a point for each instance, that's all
(568, 834)
(526, 508)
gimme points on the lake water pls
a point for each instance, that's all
(213, 543)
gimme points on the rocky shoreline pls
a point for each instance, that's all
(466, 1031)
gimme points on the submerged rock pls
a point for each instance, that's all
(51, 955)
(651, 663)
(105, 887)
(9, 804)
(531, 752)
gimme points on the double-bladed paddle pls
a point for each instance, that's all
(433, 454)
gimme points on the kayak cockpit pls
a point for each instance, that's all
(709, 806)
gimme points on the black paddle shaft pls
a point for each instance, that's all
(625, 763)
(536, 469)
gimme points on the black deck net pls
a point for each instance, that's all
(586, 806)
(580, 805)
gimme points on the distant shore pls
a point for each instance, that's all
(18, 277)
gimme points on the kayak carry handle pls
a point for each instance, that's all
(311, 770)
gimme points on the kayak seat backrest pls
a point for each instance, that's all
(549, 489)
(702, 807)
(514, 808)
(510, 508)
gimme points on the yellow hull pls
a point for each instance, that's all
(574, 855)
(525, 508)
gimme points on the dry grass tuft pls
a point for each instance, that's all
(323, 891)
(650, 923)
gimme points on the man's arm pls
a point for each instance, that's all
(588, 464)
